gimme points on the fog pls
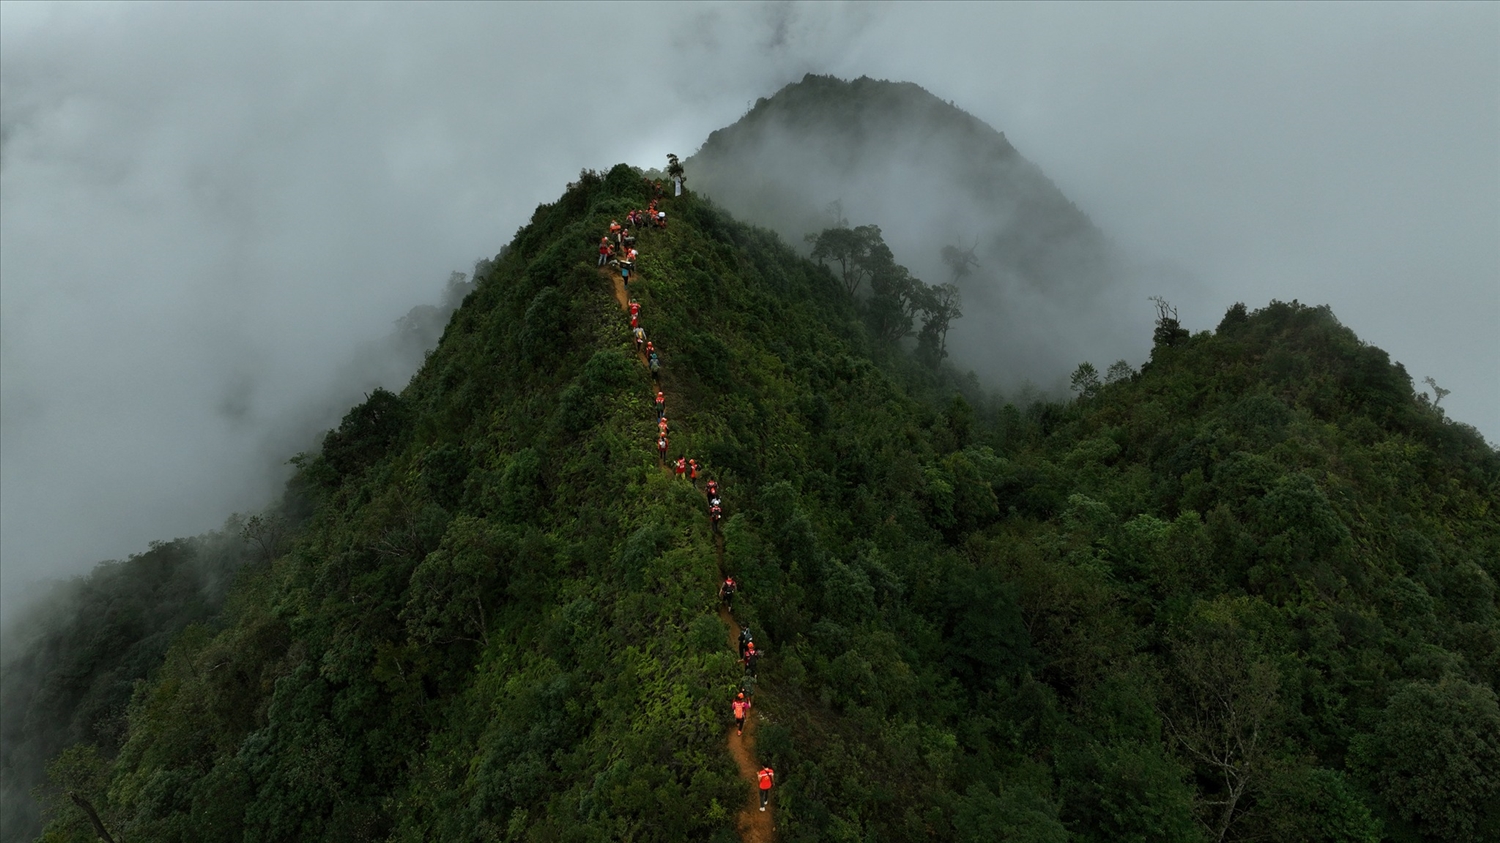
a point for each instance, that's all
(211, 214)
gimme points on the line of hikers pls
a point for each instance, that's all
(744, 700)
(682, 466)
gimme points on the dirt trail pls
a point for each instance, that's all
(753, 824)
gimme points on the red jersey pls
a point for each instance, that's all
(740, 707)
(766, 776)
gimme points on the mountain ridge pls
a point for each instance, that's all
(494, 617)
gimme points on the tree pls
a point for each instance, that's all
(266, 532)
(945, 306)
(1085, 380)
(896, 298)
(1118, 371)
(857, 251)
(455, 590)
(675, 172)
(1436, 757)
(1168, 330)
(961, 261)
(1223, 715)
(1438, 393)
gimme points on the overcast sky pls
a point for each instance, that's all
(206, 210)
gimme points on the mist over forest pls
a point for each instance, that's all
(223, 227)
(1046, 290)
(195, 239)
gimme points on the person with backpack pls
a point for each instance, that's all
(661, 447)
(681, 466)
(640, 338)
(714, 514)
(661, 425)
(604, 251)
(726, 594)
(655, 364)
(752, 658)
(747, 640)
(741, 706)
(713, 489)
(693, 472)
(661, 405)
(767, 779)
(625, 267)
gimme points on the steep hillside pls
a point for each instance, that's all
(1247, 591)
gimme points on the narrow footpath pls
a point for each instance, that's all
(753, 824)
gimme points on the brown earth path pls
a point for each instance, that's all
(753, 824)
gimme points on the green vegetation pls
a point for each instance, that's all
(1246, 591)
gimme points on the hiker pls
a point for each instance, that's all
(635, 320)
(627, 240)
(656, 188)
(640, 338)
(625, 267)
(661, 425)
(767, 778)
(632, 255)
(747, 640)
(661, 220)
(661, 405)
(713, 503)
(726, 594)
(714, 514)
(635, 308)
(655, 364)
(713, 490)
(604, 250)
(752, 657)
(741, 705)
(614, 227)
(661, 447)
(693, 472)
(680, 466)
(650, 349)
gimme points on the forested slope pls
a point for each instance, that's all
(1246, 591)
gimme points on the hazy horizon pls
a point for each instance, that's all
(209, 214)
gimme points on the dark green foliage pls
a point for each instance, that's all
(1435, 754)
(982, 622)
(72, 661)
(366, 434)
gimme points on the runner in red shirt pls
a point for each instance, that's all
(767, 778)
(741, 705)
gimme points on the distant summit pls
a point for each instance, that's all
(930, 175)
(893, 154)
